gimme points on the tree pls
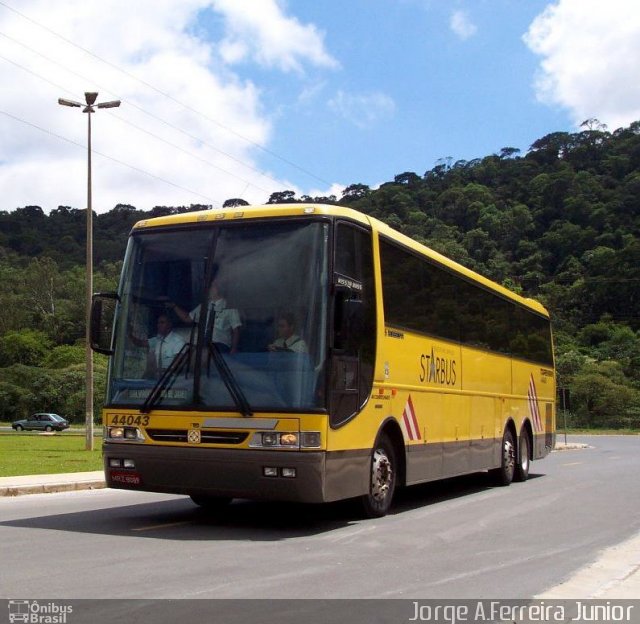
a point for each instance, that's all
(64, 356)
(593, 124)
(355, 192)
(162, 211)
(282, 197)
(12, 398)
(25, 346)
(42, 281)
(601, 398)
(509, 152)
(550, 147)
(234, 203)
(409, 178)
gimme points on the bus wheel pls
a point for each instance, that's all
(524, 459)
(504, 474)
(211, 503)
(377, 502)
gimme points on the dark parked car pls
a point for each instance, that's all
(41, 422)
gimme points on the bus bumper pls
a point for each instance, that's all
(217, 472)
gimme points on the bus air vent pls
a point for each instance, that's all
(207, 437)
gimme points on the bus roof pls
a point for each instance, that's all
(255, 212)
(292, 210)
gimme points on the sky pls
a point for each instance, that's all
(243, 98)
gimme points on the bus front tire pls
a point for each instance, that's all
(383, 476)
(524, 459)
(504, 474)
(211, 503)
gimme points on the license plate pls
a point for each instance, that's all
(126, 478)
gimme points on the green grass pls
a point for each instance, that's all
(26, 454)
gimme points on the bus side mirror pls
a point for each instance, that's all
(103, 309)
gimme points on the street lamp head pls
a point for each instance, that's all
(64, 102)
(111, 104)
(90, 97)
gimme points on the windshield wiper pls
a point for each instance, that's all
(167, 378)
(231, 383)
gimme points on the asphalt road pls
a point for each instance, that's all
(456, 539)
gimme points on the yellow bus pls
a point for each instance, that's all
(311, 353)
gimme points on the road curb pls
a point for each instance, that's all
(571, 446)
(49, 488)
(614, 575)
(49, 483)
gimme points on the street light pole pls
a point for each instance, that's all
(90, 99)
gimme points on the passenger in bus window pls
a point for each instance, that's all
(226, 327)
(163, 347)
(287, 339)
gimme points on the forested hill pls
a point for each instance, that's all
(560, 223)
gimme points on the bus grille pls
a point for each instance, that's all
(206, 437)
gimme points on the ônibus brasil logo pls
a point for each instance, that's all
(38, 612)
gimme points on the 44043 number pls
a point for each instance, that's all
(129, 419)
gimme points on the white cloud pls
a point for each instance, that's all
(461, 25)
(590, 58)
(215, 155)
(261, 31)
(362, 109)
(335, 189)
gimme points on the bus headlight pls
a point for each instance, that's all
(275, 439)
(310, 439)
(286, 440)
(269, 439)
(130, 434)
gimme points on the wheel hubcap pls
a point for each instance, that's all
(524, 460)
(382, 475)
(509, 456)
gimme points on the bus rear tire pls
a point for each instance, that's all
(211, 503)
(383, 477)
(504, 474)
(524, 458)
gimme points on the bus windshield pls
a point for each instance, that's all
(229, 318)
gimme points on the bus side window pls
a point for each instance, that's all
(354, 320)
